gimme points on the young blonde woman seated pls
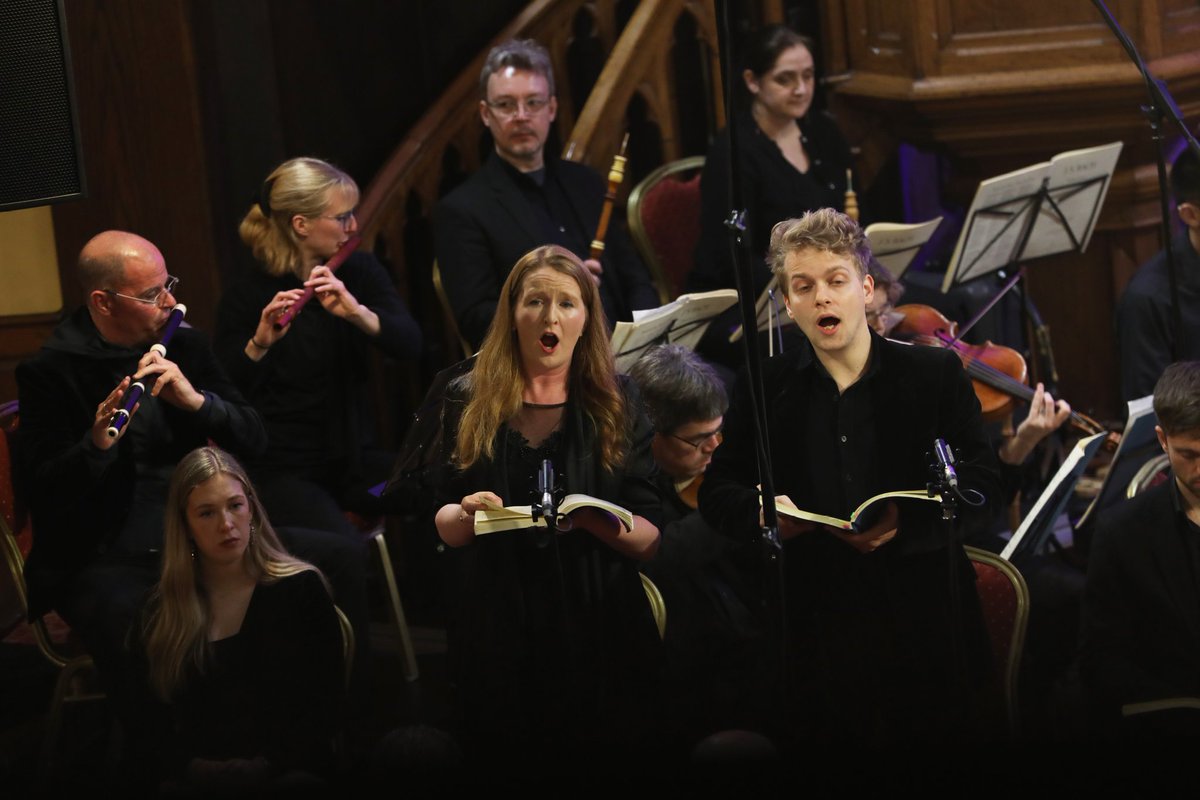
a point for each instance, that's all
(240, 647)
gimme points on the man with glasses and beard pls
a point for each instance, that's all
(523, 198)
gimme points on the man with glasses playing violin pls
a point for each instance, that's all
(708, 581)
(523, 198)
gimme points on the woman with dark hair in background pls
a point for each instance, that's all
(791, 159)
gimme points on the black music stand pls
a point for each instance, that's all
(1042, 210)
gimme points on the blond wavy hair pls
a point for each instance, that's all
(496, 383)
(299, 186)
(176, 628)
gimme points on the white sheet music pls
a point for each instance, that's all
(1077, 183)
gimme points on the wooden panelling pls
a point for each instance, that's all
(991, 86)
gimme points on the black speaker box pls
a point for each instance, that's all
(40, 157)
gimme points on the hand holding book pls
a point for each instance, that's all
(492, 517)
(793, 522)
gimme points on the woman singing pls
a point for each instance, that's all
(308, 380)
(553, 642)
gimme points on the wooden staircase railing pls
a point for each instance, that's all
(445, 144)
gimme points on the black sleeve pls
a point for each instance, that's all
(639, 490)
(306, 665)
(1109, 667)
(1143, 341)
(238, 313)
(729, 497)
(621, 255)
(468, 275)
(226, 417)
(399, 335)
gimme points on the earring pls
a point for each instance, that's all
(193, 551)
(251, 537)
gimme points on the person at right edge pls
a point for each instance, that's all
(885, 639)
(1146, 335)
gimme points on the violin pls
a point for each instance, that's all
(998, 373)
(690, 494)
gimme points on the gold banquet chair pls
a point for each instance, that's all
(657, 607)
(664, 222)
(1004, 597)
(1152, 473)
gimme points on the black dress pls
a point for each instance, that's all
(551, 639)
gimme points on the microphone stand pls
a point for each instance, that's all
(772, 547)
(1161, 106)
(943, 481)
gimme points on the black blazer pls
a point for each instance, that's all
(919, 394)
(483, 227)
(1141, 606)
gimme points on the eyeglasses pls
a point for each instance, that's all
(508, 106)
(151, 297)
(700, 439)
(342, 219)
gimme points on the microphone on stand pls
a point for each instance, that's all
(945, 457)
(545, 507)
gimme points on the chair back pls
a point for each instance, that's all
(657, 607)
(1004, 597)
(448, 312)
(348, 643)
(664, 221)
(1152, 473)
(12, 584)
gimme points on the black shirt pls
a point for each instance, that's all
(841, 427)
(1145, 328)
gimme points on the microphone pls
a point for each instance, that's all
(945, 457)
(545, 488)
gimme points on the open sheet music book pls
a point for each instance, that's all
(1076, 182)
(1138, 444)
(681, 321)
(1038, 525)
(507, 518)
(896, 244)
(784, 507)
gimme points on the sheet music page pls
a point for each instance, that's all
(1054, 497)
(1079, 181)
(895, 244)
(682, 321)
